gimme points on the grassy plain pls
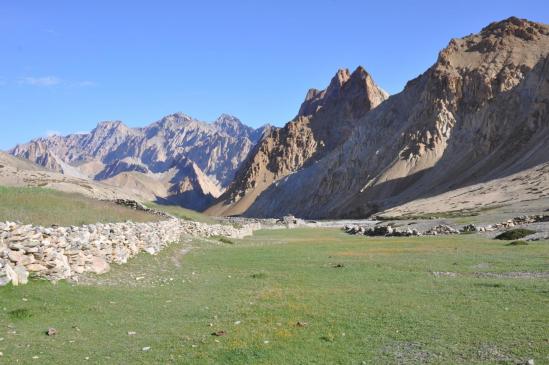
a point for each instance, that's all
(303, 296)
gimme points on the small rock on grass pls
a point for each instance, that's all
(51, 331)
(301, 324)
(131, 333)
(147, 348)
(219, 333)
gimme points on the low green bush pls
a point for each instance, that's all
(224, 240)
(515, 234)
(21, 313)
(517, 243)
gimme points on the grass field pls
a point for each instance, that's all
(46, 207)
(359, 300)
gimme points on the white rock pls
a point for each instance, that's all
(99, 266)
(150, 250)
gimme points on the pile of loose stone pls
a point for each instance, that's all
(510, 223)
(57, 253)
(441, 229)
(135, 205)
(388, 230)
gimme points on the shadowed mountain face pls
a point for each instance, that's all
(481, 112)
(157, 160)
(325, 121)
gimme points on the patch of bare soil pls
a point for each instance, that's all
(408, 353)
(489, 352)
(513, 275)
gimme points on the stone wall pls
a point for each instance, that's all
(57, 253)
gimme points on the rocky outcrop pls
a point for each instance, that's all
(149, 158)
(325, 121)
(481, 112)
(57, 253)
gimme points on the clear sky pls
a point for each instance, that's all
(66, 65)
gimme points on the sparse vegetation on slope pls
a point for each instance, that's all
(47, 207)
(182, 213)
(293, 296)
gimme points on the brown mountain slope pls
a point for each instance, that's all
(184, 183)
(481, 112)
(325, 120)
(19, 172)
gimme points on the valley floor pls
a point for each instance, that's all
(301, 296)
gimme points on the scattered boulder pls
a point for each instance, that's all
(517, 221)
(99, 266)
(381, 230)
(22, 274)
(441, 229)
(291, 222)
(470, 228)
(135, 205)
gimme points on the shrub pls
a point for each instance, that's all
(260, 275)
(224, 240)
(20, 313)
(517, 243)
(515, 234)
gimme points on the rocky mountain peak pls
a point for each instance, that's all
(512, 40)
(472, 70)
(325, 120)
(516, 27)
(173, 121)
(110, 125)
(315, 99)
(341, 77)
(360, 72)
(343, 87)
(232, 126)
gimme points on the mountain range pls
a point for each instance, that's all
(476, 121)
(177, 159)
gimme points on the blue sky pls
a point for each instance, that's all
(66, 65)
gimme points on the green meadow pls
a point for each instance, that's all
(303, 296)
